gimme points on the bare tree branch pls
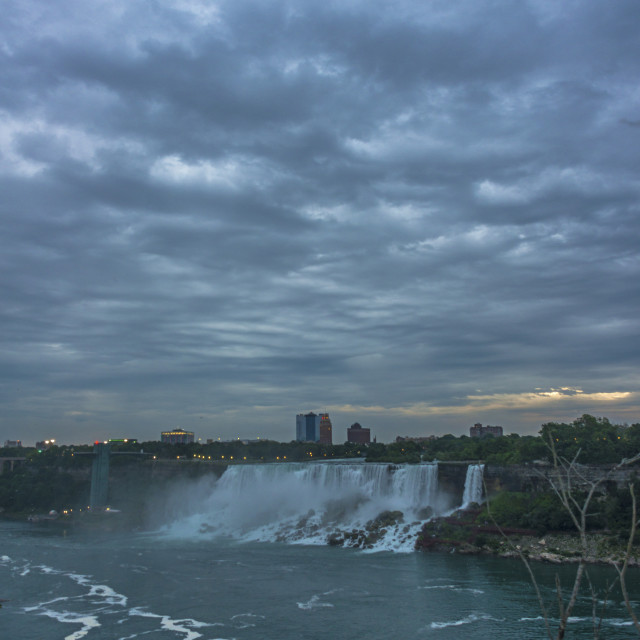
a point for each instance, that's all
(596, 618)
(622, 572)
(563, 483)
(569, 483)
(524, 561)
(564, 618)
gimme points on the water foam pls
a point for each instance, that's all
(456, 588)
(463, 621)
(88, 622)
(183, 625)
(316, 603)
(243, 620)
(314, 503)
(618, 622)
(89, 608)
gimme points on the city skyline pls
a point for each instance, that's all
(415, 216)
(300, 432)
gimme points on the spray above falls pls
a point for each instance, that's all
(367, 505)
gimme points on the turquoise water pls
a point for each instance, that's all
(72, 586)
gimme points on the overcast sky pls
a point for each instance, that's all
(416, 215)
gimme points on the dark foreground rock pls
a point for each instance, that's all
(464, 533)
(373, 531)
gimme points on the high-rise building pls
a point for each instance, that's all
(177, 436)
(325, 429)
(307, 427)
(357, 433)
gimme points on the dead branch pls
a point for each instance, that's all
(524, 560)
(622, 572)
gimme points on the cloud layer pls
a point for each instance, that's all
(416, 215)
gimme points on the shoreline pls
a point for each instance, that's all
(454, 535)
(532, 551)
(439, 535)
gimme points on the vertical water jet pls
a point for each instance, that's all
(473, 485)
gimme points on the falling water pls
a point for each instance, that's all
(315, 503)
(473, 485)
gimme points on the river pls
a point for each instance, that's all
(191, 579)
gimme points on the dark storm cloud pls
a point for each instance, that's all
(414, 215)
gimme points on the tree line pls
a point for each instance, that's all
(58, 477)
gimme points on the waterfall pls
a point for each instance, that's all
(473, 485)
(313, 503)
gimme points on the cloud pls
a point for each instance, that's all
(561, 398)
(212, 208)
(575, 180)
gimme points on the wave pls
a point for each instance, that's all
(614, 622)
(90, 608)
(242, 620)
(455, 587)
(315, 603)
(87, 622)
(463, 621)
(182, 625)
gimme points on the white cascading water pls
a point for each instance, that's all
(473, 485)
(347, 503)
(309, 503)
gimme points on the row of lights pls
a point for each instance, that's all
(66, 512)
(195, 455)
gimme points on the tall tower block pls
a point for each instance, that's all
(325, 429)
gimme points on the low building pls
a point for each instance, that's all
(417, 439)
(13, 443)
(177, 436)
(357, 433)
(478, 431)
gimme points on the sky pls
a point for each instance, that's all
(416, 215)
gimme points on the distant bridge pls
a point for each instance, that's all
(11, 462)
(100, 472)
